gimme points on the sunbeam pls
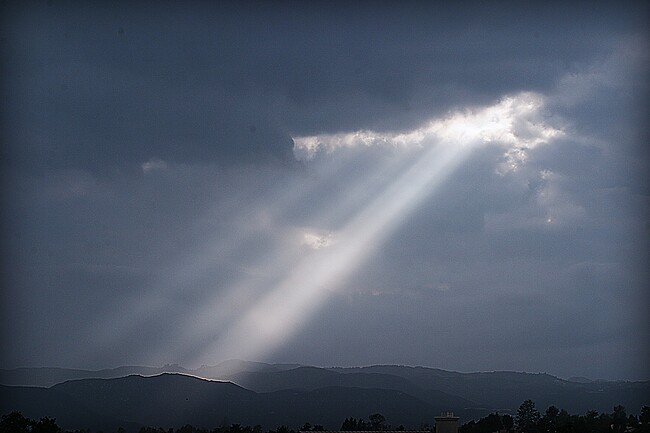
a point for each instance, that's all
(250, 316)
(274, 318)
(513, 123)
(309, 184)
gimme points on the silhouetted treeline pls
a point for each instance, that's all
(527, 420)
(376, 422)
(15, 422)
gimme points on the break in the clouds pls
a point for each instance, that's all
(318, 241)
(515, 122)
(153, 164)
(461, 187)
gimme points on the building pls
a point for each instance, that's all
(447, 423)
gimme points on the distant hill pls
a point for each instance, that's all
(234, 366)
(164, 400)
(506, 390)
(173, 400)
(48, 376)
(312, 378)
(291, 393)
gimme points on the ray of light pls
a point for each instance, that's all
(220, 306)
(252, 316)
(158, 299)
(513, 123)
(224, 306)
(274, 318)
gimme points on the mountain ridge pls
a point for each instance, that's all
(173, 400)
(286, 393)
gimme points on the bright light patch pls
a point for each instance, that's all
(290, 302)
(317, 241)
(515, 122)
(153, 164)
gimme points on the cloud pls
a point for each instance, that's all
(153, 164)
(515, 122)
(543, 215)
(318, 241)
(228, 86)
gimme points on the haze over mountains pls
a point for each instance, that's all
(253, 393)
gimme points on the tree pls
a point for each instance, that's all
(15, 422)
(187, 428)
(527, 417)
(565, 422)
(283, 429)
(377, 421)
(549, 421)
(151, 430)
(492, 422)
(619, 418)
(644, 417)
(350, 424)
(644, 420)
(489, 424)
(46, 425)
(508, 422)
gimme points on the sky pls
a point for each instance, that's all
(455, 186)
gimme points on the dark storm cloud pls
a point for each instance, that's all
(90, 86)
(149, 174)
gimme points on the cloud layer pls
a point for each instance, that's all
(175, 177)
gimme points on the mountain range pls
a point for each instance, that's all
(270, 395)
